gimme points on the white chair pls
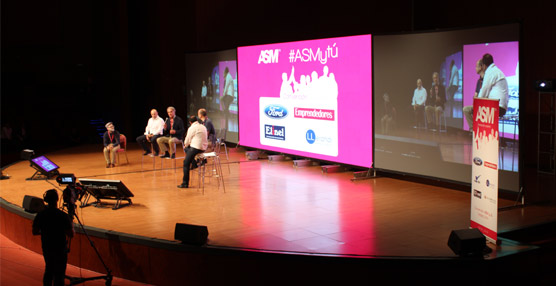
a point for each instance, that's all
(221, 141)
(151, 155)
(174, 159)
(442, 123)
(212, 158)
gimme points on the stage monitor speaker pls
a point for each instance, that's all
(33, 204)
(191, 234)
(467, 242)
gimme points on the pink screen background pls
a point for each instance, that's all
(353, 71)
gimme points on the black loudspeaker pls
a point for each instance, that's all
(191, 234)
(33, 204)
(467, 242)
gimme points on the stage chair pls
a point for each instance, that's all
(150, 155)
(123, 148)
(174, 160)
(513, 120)
(221, 141)
(442, 122)
(212, 159)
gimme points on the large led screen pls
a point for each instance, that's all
(424, 86)
(309, 98)
(211, 83)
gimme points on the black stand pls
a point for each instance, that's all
(98, 202)
(107, 277)
(39, 175)
(364, 175)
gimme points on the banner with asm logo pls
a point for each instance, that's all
(484, 170)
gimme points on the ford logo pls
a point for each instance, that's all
(276, 111)
(477, 161)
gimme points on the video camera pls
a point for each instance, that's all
(72, 193)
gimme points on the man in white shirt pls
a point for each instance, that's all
(195, 142)
(495, 85)
(154, 129)
(418, 102)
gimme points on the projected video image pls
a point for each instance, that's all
(208, 87)
(424, 84)
(506, 58)
(309, 98)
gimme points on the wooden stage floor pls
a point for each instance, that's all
(277, 207)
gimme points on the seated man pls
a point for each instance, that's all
(388, 118)
(418, 102)
(202, 114)
(435, 102)
(195, 143)
(111, 140)
(154, 129)
(173, 133)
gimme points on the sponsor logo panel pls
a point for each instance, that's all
(275, 132)
(276, 111)
(313, 113)
(491, 165)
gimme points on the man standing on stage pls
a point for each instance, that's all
(154, 129)
(173, 133)
(55, 228)
(195, 143)
(202, 113)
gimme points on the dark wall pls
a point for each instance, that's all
(66, 62)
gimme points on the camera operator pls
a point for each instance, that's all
(55, 227)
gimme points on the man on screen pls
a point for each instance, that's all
(227, 95)
(195, 142)
(453, 83)
(154, 129)
(173, 133)
(495, 85)
(418, 103)
(435, 102)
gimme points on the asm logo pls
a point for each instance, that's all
(485, 114)
(269, 56)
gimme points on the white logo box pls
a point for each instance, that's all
(326, 131)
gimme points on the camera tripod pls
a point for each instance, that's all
(77, 280)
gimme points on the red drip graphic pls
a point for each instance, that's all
(485, 114)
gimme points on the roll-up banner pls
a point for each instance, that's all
(484, 184)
